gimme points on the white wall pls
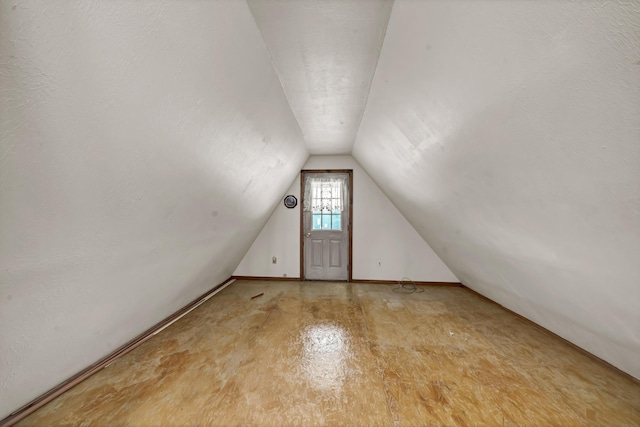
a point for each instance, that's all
(509, 137)
(380, 232)
(280, 237)
(142, 147)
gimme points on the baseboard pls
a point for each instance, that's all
(375, 282)
(547, 331)
(47, 397)
(267, 278)
(397, 282)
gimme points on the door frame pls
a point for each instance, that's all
(350, 225)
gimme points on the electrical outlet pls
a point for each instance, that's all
(274, 260)
(284, 275)
(379, 264)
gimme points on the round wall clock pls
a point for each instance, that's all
(290, 201)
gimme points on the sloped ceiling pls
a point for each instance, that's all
(143, 145)
(325, 53)
(508, 134)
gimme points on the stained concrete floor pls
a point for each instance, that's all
(349, 354)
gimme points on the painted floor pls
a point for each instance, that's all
(349, 354)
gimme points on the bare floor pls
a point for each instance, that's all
(349, 354)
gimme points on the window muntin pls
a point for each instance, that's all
(326, 204)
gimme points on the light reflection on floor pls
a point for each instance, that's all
(308, 354)
(325, 350)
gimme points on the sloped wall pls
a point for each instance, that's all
(143, 145)
(380, 233)
(508, 134)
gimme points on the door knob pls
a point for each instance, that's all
(308, 235)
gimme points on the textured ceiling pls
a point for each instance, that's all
(325, 54)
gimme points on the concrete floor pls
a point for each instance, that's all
(349, 354)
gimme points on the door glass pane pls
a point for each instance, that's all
(326, 203)
(316, 224)
(335, 221)
(326, 221)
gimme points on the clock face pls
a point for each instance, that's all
(290, 201)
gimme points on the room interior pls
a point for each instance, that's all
(146, 149)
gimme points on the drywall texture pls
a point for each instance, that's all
(508, 134)
(325, 53)
(143, 145)
(380, 233)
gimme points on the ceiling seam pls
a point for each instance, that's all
(373, 75)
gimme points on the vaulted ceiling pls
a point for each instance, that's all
(325, 53)
(143, 145)
(506, 133)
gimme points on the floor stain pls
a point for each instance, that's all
(349, 354)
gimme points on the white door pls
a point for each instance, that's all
(326, 226)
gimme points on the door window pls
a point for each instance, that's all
(326, 205)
